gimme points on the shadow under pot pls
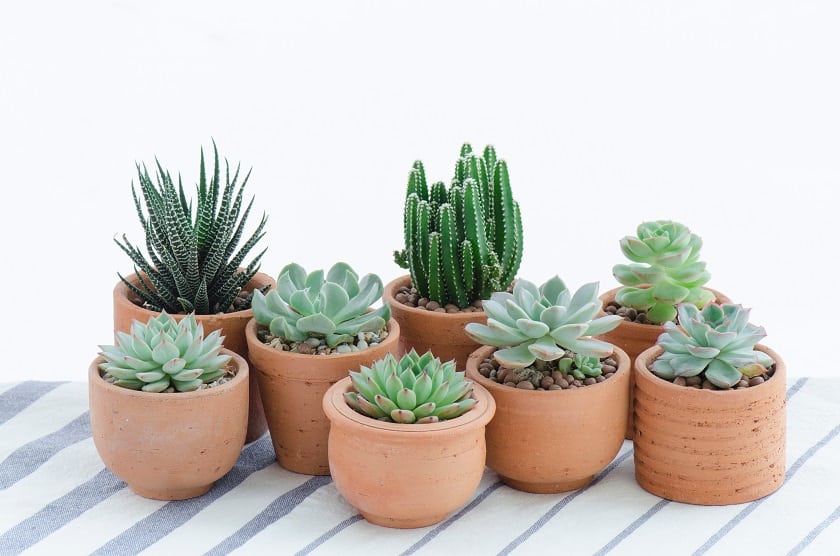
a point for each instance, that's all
(634, 338)
(556, 440)
(710, 447)
(169, 446)
(292, 386)
(232, 326)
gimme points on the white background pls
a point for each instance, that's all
(722, 115)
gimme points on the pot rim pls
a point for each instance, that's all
(609, 295)
(242, 372)
(390, 291)
(484, 351)
(337, 409)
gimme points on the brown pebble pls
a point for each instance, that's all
(555, 387)
(680, 381)
(610, 361)
(609, 309)
(707, 385)
(451, 306)
(485, 372)
(423, 301)
(631, 313)
(608, 375)
(607, 368)
(450, 311)
(412, 298)
(526, 385)
(438, 310)
(546, 381)
(432, 305)
(756, 380)
(600, 378)
(589, 381)
(563, 383)
(571, 387)
(695, 386)
(511, 384)
(477, 304)
(577, 382)
(401, 297)
(743, 383)
(694, 381)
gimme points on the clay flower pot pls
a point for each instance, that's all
(292, 386)
(709, 447)
(232, 326)
(441, 333)
(634, 338)
(169, 446)
(406, 476)
(554, 441)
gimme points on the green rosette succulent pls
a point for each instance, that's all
(311, 305)
(164, 353)
(665, 257)
(544, 323)
(718, 341)
(413, 389)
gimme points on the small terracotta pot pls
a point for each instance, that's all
(292, 386)
(232, 326)
(406, 476)
(554, 441)
(169, 446)
(634, 338)
(710, 447)
(441, 333)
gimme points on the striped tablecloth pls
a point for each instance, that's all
(57, 498)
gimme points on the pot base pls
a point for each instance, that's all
(402, 523)
(547, 488)
(170, 493)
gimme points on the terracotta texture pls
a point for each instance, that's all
(634, 338)
(709, 447)
(406, 476)
(554, 441)
(169, 446)
(232, 326)
(292, 387)
(423, 330)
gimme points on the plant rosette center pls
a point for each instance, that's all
(752, 377)
(561, 374)
(315, 345)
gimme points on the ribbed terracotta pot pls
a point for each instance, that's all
(169, 446)
(406, 476)
(705, 446)
(634, 338)
(232, 326)
(441, 333)
(292, 388)
(556, 440)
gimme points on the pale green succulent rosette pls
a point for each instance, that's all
(543, 323)
(311, 305)
(665, 256)
(164, 353)
(718, 341)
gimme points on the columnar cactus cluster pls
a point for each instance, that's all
(463, 242)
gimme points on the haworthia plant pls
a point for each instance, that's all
(464, 242)
(193, 263)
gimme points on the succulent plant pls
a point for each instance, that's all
(164, 353)
(543, 323)
(415, 389)
(718, 341)
(665, 256)
(310, 305)
(464, 242)
(193, 263)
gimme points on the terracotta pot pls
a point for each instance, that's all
(232, 326)
(169, 446)
(406, 476)
(441, 333)
(554, 441)
(705, 446)
(292, 387)
(634, 338)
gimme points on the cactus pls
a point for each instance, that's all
(415, 389)
(464, 242)
(164, 353)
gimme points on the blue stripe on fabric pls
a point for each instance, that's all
(810, 537)
(257, 455)
(281, 506)
(329, 534)
(60, 512)
(19, 397)
(29, 457)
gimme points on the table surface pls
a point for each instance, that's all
(56, 497)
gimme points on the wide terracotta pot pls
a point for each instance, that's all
(441, 333)
(634, 338)
(169, 446)
(232, 326)
(292, 386)
(557, 440)
(709, 447)
(406, 476)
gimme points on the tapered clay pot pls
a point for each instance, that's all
(232, 326)
(293, 385)
(710, 447)
(441, 333)
(169, 446)
(556, 440)
(634, 338)
(406, 476)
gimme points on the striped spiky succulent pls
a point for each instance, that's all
(193, 263)
(464, 242)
